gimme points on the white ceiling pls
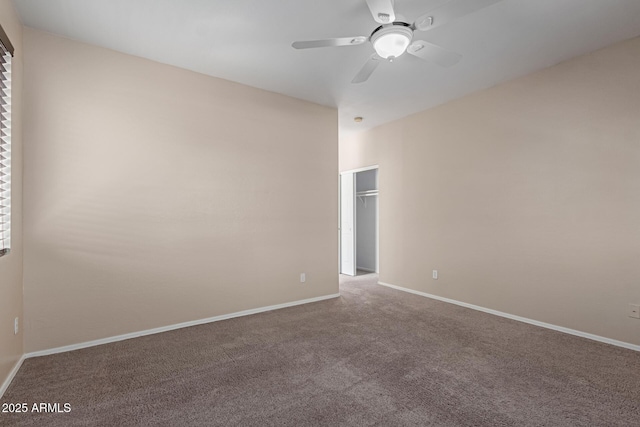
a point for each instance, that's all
(249, 41)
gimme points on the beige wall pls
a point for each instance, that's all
(11, 346)
(155, 195)
(525, 196)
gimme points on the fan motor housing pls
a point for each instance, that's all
(392, 25)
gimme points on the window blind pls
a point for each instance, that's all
(6, 50)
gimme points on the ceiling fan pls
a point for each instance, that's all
(393, 38)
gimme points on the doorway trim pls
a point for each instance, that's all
(362, 169)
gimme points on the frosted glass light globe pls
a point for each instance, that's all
(391, 44)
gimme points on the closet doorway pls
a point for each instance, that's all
(359, 221)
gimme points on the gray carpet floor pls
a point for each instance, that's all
(374, 356)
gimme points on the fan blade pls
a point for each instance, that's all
(367, 69)
(448, 12)
(382, 11)
(343, 41)
(433, 53)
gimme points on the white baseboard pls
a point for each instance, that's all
(14, 371)
(519, 318)
(175, 326)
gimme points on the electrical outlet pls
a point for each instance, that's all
(15, 326)
(435, 274)
(634, 311)
(303, 277)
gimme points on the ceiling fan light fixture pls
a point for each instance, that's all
(391, 42)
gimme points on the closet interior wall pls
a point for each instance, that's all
(366, 213)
